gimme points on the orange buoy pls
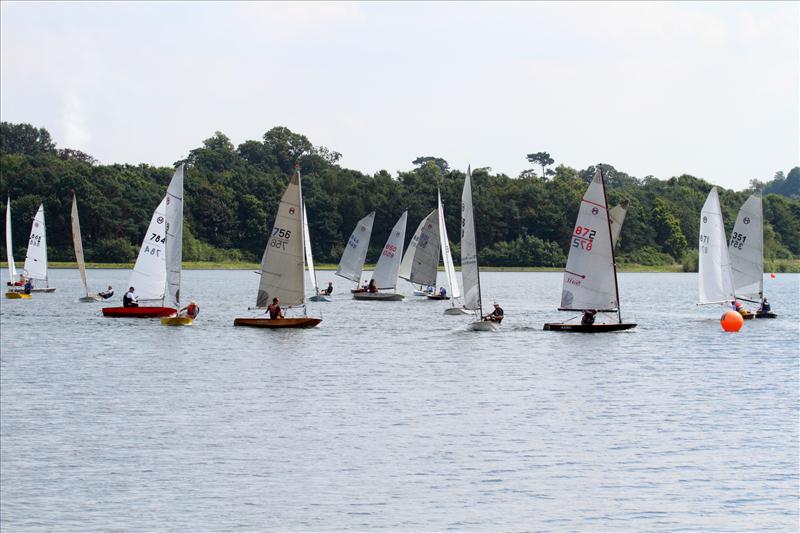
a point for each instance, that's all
(731, 321)
(772, 276)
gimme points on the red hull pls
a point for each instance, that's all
(138, 312)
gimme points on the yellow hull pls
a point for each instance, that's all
(18, 296)
(177, 321)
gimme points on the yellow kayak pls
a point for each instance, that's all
(177, 321)
(18, 296)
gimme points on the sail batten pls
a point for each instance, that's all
(590, 277)
(421, 259)
(715, 279)
(746, 249)
(282, 273)
(77, 243)
(388, 266)
(355, 251)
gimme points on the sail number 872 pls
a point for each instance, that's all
(583, 238)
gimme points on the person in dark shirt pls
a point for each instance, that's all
(129, 300)
(496, 315)
(372, 286)
(329, 290)
(28, 286)
(105, 295)
(765, 307)
(588, 317)
(274, 309)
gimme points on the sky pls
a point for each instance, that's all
(703, 88)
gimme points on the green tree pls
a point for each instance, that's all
(25, 139)
(668, 231)
(543, 159)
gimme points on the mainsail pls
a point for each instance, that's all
(469, 254)
(421, 259)
(12, 268)
(355, 252)
(78, 244)
(36, 258)
(590, 277)
(150, 273)
(282, 273)
(388, 266)
(747, 249)
(309, 257)
(714, 264)
(447, 257)
(173, 247)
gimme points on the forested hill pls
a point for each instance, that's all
(232, 193)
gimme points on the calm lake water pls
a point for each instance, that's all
(391, 416)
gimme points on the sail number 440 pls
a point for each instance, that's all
(583, 238)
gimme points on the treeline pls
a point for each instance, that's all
(232, 194)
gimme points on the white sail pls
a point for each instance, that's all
(77, 243)
(447, 257)
(388, 266)
(12, 268)
(173, 247)
(421, 259)
(714, 264)
(309, 257)
(469, 252)
(150, 271)
(617, 216)
(747, 249)
(282, 273)
(589, 278)
(355, 252)
(36, 259)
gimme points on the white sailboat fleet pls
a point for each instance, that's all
(590, 278)
(282, 272)
(715, 277)
(388, 266)
(746, 250)
(35, 268)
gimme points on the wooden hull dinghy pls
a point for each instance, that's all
(751, 316)
(437, 297)
(18, 296)
(138, 312)
(378, 296)
(276, 323)
(583, 328)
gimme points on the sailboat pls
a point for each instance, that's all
(715, 277)
(310, 260)
(149, 276)
(590, 278)
(77, 243)
(12, 268)
(470, 273)
(35, 267)
(447, 259)
(421, 258)
(355, 252)
(746, 252)
(282, 272)
(173, 248)
(388, 267)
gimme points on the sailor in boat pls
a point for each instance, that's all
(274, 309)
(19, 283)
(496, 315)
(442, 292)
(130, 300)
(588, 317)
(372, 287)
(192, 310)
(765, 307)
(329, 290)
(106, 294)
(28, 286)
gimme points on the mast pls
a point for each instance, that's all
(611, 239)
